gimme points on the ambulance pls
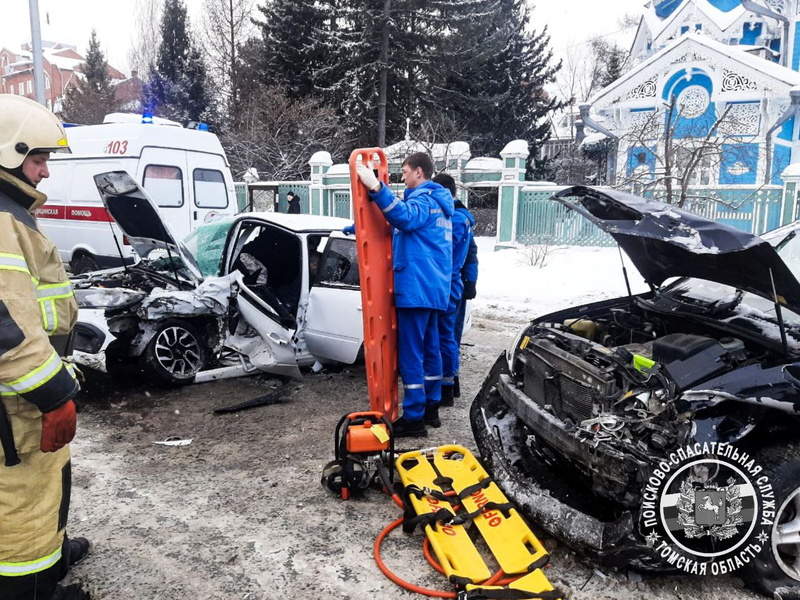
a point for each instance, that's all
(185, 171)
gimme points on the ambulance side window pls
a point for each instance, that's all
(164, 184)
(340, 266)
(209, 189)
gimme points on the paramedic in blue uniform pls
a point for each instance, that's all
(422, 257)
(469, 274)
(449, 340)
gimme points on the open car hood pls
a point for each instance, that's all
(140, 219)
(663, 242)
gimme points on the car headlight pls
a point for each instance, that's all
(512, 351)
(108, 297)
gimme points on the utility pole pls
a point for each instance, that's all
(384, 80)
(38, 66)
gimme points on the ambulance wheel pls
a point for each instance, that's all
(174, 354)
(777, 566)
(83, 264)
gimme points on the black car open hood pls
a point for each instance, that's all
(664, 242)
(140, 219)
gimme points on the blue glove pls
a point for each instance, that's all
(349, 230)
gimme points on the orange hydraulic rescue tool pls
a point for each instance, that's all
(374, 240)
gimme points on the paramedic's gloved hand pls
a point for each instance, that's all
(58, 427)
(368, 178)
(470, 290)
(349, 230)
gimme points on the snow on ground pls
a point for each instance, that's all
(510, 288)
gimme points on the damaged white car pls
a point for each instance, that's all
(258, 291)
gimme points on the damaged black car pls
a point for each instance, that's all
(677, 407)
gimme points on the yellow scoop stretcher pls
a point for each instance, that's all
(453, 472)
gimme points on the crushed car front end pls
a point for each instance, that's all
(575, 417)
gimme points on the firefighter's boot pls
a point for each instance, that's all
(78, 549)
(71, 592)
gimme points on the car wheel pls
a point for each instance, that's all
(175, 353)
(84, 264)
(778, 564)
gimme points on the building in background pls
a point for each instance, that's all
(62, 70)
(714, 81)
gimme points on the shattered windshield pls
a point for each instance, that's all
(207, 243)
(727, 299)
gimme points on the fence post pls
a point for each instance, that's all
(320, 162)
(514, 156)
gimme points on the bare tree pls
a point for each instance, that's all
(277, 135)
(577, 79)
(144, 47)
(588, 67)
(664, 155)
(226, 25)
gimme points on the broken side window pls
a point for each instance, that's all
(341, 264)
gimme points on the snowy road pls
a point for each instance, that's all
(240, 514)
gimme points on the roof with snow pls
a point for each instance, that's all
(722, 13)
(453, 150)
(516, 147)
(65, 63)
(320, 158)
(484, 164)
(342, 169)
(694, 50)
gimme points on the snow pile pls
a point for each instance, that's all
(511, 289)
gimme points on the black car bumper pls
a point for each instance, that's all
(548, 498)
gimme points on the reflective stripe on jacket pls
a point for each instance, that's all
(36, 301)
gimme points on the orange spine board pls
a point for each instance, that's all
(374, 242)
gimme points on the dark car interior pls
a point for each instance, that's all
(274, 272)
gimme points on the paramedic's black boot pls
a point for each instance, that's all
(431, 418)
(78, 550)
(447, 396)
(456, 387)
(403, 428)
(71, 592)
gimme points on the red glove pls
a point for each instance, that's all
(58, 427)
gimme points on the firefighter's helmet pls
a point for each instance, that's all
(27, 126)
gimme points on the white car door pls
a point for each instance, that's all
(334, 319)
(261, 305)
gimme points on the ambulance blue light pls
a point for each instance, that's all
(147, 118)
(203, 127)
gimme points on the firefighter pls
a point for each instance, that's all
(422, 256)
(37, 412)
(449, 336)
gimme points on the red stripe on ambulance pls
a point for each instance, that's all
(75, 213)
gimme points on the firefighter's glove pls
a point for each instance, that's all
(368, 178)
(58, 427)
(469, 290)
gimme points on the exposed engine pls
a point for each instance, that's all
(621, 388)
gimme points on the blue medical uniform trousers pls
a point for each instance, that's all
(419, 360)
(461, 314)
(448, 342)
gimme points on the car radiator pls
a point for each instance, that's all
(564, 383)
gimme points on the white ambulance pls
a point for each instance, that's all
(185, 171)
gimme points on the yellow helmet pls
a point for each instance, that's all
(27, 126)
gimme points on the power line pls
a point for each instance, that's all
(594, 37)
